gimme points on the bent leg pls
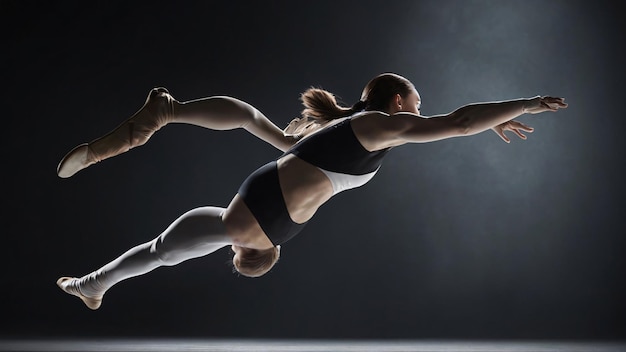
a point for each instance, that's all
(196, 233)
(160, 108)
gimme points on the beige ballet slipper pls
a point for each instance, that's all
(68, 284)
(156, 112)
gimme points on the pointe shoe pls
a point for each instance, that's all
(157, 111)
(68, 284)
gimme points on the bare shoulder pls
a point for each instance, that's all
(376, 130)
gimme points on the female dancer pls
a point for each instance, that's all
(329, 150)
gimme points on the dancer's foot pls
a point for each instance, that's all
(156, 112)
(70, 285)
(76, 160)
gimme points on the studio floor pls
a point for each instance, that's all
(155, 345)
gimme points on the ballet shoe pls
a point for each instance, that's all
(157, 111)
(76, 160)
(68, 284)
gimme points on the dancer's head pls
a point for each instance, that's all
(387, 92)
(390, 93)
(254, 262)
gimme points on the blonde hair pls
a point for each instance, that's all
(255, 262)
(321, 104)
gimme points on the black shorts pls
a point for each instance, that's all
(262, 194)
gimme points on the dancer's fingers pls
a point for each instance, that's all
(500, 132)
(521, 126)
(517, 132)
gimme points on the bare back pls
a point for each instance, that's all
(304, 186)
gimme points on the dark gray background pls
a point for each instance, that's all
(462, 238)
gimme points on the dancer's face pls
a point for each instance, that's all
(411, 103)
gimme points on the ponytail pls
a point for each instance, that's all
(320, 104)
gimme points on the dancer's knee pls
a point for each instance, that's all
(253, 262)
(191, 235)
(163, 255)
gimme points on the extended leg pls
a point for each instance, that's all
(194, 234)
(160, 108)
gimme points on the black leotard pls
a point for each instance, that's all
(334, 148)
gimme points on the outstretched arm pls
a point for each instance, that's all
(468, 120)
(476, 118)
(227, 113)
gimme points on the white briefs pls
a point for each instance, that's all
(342, 182)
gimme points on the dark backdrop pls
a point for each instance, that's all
(462, 238)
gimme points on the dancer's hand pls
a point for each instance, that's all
(292, 126)
(301, 127)
(539, 104)
(514, 126)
